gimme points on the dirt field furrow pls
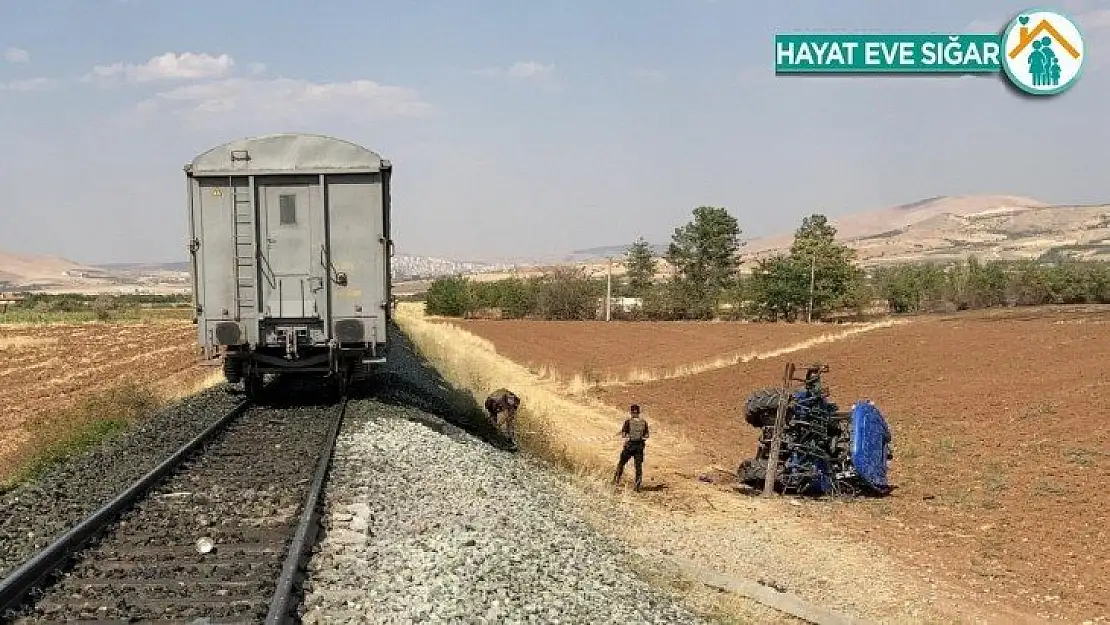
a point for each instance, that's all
(599, 351)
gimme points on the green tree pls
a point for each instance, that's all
(1071, 282)
(816, 254)
(663, 302)
(703, 253)
(102, 307)
(448, 297)
(1028, 284)
(986, 283)
(640, 272)
(778, 288)
(910, 287)
(568, 293)
(517, 298)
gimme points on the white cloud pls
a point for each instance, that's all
(168, 66)
(29, 84)
(16, 55)
(257, 68)
(286, 99)
(530, 69)
(520, 70)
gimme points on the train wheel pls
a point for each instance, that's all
(252, 384)
(337, 382)
(233, 370)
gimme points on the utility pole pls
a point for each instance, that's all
(812, 274)
(609, 290)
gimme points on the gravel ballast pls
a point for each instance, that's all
(424, 527)
(34, 513)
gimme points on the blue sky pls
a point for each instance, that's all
(516, 128)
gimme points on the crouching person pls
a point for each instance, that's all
(503, 401)
(635, 432)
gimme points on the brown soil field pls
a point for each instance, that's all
(1001, 440)
(48, 367)
(1002, 446)
(599, 349)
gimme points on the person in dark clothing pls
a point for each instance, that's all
(635, 432)
(503, 400)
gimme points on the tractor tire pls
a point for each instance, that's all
(762, 406)
(753, 472)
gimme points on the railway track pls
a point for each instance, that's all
(217, 531)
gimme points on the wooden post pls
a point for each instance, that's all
(812, 275)
(776, 435)
(609, 291)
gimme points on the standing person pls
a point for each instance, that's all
(504, 400)
(635, 432)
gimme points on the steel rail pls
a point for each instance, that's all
(307, 528)
(15, 586)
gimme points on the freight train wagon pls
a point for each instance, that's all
(290, 246)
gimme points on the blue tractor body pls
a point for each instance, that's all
(870, 445)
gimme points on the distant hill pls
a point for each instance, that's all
(40, 269)
(952, 227)
(614, 251)
(895, 218)
(938, 228)
(145, 267)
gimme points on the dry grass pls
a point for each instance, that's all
(23, 342)
(578, 433)
(472, 364)
(694, 369)
(708, 602)
(183, 389)
(52, 437)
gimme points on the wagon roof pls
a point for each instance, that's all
(290, 153)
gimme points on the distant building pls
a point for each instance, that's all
(619, 304)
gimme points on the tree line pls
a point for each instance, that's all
(102, 305)
(816, 279)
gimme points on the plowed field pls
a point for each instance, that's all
(1001, 434)
(48, 367)
(619, 349)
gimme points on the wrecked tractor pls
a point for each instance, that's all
(822, 450)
